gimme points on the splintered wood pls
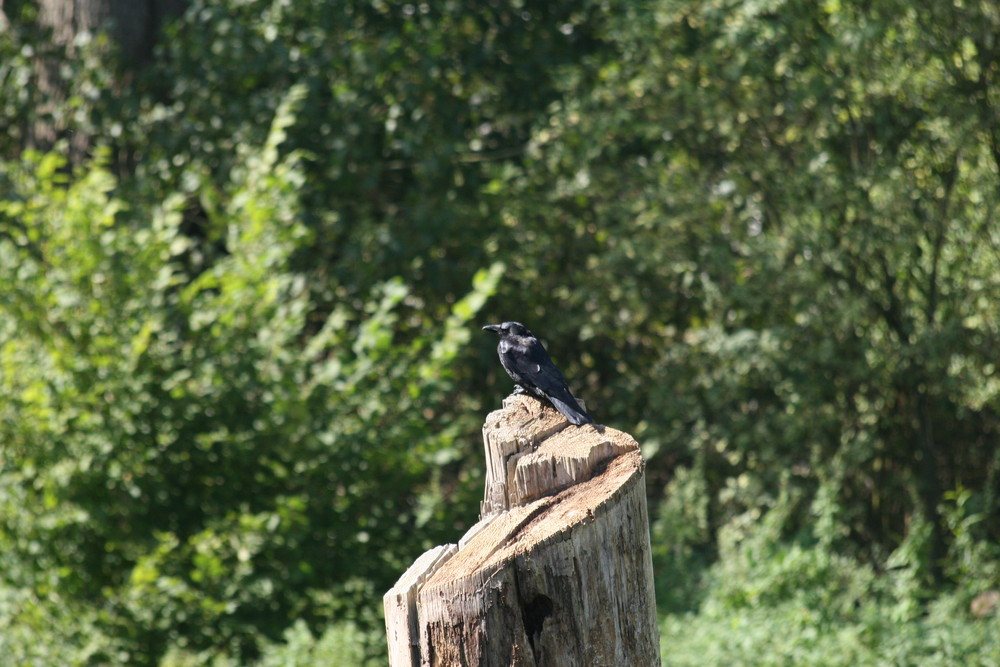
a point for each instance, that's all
(557, 571)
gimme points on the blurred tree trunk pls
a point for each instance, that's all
(132, 26)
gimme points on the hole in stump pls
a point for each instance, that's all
(534, 613)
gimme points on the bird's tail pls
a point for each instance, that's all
(573, 413)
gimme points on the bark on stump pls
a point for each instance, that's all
(558, 569)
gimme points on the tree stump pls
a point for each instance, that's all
(558, 569)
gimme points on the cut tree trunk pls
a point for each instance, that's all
(558, 569)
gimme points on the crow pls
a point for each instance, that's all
(529, 366)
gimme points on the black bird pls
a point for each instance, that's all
(529, 366)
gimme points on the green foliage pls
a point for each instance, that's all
(340, 644)
(797, 632)
(679, 537)
(788, 253)
(773, 602)
(179, 449)
(237, 386)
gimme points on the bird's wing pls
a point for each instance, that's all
(529, 364)
(532, 363)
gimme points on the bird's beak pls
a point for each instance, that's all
(495, 328)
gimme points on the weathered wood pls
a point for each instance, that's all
(400, 603)
(509, 433)
(558, 571)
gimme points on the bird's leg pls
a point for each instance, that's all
(518, 389)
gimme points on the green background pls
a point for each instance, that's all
(241, 373)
